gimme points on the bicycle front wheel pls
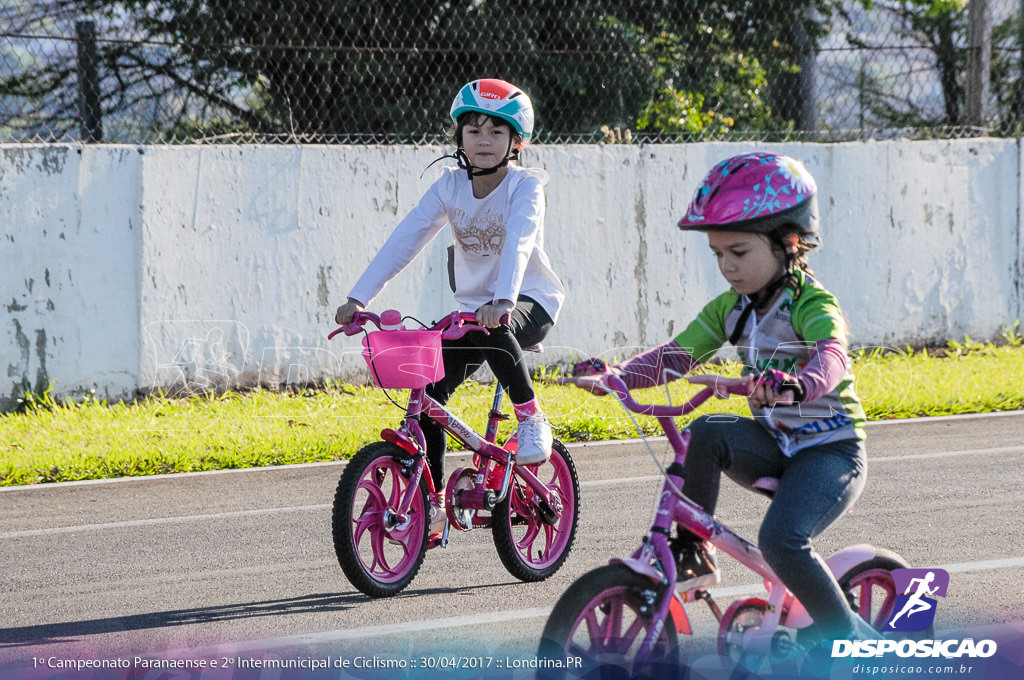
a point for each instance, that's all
(531, 541)
(603, 619)
(379, 551)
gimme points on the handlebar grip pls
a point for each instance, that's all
(356, 324)
(348, 329)
(470, 317)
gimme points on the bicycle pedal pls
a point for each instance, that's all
(692, 595)
(703, 594)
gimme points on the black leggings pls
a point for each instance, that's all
(501, 348)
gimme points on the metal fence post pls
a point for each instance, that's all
(979, 64)
(1017, 109)
(89, 111)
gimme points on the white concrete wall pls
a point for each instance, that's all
(125, 269)
(69, 219)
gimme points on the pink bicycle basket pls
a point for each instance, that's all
(404, 359)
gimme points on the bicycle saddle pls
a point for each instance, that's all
(766, 486)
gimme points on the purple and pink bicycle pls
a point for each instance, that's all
(381, 517)
(628, 614)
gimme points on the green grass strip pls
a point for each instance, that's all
(53, 442)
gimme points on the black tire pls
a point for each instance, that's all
(596, 619)
(378, 557)
(531, 543)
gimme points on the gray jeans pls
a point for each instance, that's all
(816, 486)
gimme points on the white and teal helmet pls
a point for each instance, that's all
(496, 98)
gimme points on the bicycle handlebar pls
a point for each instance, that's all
(714, 385)
(452, 326)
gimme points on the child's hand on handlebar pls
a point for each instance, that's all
(347, 312)
(587, 375)
(776, 388)
(494, 314)
(591, 366)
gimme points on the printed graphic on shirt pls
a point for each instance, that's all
(482, 234)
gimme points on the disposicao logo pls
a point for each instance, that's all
(914, 611)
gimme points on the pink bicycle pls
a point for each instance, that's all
(629, 615)
(381, 517)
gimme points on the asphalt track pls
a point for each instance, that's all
(239, 566)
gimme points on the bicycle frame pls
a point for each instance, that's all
(410, 436)
(655, 559)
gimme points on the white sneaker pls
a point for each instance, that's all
(534, 440)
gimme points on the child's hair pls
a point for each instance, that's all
(797, 259)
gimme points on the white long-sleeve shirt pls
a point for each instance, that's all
(499, 241)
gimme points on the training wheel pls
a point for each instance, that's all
(461, 480)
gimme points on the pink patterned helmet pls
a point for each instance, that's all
(763, 193)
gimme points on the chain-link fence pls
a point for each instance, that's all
(340, 71)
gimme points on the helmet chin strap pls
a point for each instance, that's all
(758, 300)
(472, 171)
(463, 162)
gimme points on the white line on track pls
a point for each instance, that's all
(576, 445)
(489, 618)
(160, 520)
(1010, 450)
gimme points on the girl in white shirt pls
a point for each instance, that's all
(496, 212)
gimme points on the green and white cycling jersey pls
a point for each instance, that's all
(783, 338)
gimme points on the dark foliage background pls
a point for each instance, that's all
(339, 71)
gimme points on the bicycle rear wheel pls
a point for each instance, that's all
(379, 554)
(603, 619)
(531, 542)
(870, 587)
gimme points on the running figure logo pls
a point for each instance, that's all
(914, 609)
